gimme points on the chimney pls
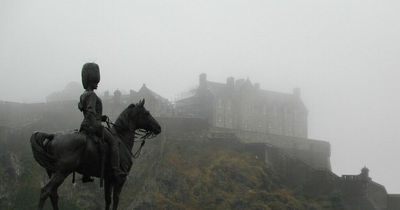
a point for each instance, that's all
(230, 83)
(239, 82)
(106, 94)
(203, 80)
(297, 92)
(117, 96)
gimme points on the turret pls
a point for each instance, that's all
(106, 94)
(297, 92)
(230, 83)
(117, 96)
(203, 80)
(364, 173)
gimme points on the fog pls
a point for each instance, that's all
(343, 54)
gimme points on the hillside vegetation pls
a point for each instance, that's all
(184, 171)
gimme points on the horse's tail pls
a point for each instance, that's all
(40, 154)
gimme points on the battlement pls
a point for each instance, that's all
(353, 178)
(315, 153)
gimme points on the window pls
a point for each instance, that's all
(219, 103)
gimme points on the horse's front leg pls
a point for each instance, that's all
(117, 190)
(107, 192)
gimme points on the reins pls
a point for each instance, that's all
(143, 141)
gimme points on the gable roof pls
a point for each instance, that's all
(145, 91)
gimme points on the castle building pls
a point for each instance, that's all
(155, 103)
(243, 105)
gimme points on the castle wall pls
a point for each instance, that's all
(393, 202)
(16, 114)
(377, 195)
(298, 173)
(58, 115)
(353, 187)
(313, 152)
(293, 171)
(179, 124)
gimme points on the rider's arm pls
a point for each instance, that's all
(91, 114)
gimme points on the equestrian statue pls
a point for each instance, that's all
(94, 150)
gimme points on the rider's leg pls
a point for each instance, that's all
(86, 178)
(114, 154)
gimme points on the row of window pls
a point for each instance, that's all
(287, 127)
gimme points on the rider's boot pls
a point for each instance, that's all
(87, 178)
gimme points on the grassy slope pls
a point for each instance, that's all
(184, 175)
(201, 175)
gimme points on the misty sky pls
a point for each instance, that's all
(343, 54)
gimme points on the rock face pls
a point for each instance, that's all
(196, 172)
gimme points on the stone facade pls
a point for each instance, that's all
(363, 193)
(242, 105)
(393, 201)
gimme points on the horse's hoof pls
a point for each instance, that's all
(120, 178)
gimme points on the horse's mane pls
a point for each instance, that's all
(122, 121)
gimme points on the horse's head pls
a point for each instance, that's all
(139, 118)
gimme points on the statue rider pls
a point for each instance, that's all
(91, 106)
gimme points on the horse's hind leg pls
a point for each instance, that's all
(107, 192)
(50, 189)
(53, 195)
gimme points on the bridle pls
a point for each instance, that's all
(144, 134)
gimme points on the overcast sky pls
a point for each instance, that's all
(343, 54)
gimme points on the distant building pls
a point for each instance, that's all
(72, 91)
(156, 104)
(242, 105)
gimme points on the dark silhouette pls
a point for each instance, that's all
(64, 154)
(92, 108)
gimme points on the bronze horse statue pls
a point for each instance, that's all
(64, 154)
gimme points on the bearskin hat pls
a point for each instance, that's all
(90, 74)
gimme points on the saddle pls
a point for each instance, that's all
(99, 141)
